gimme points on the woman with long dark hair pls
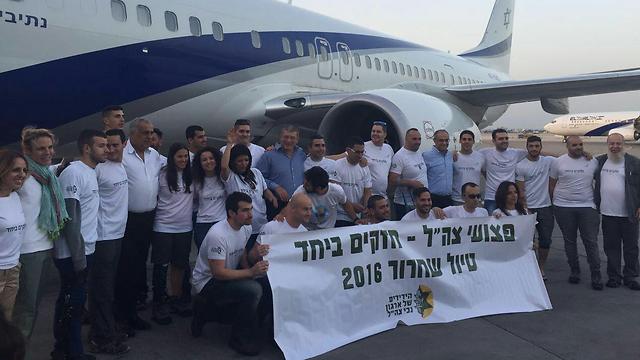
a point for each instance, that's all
(172, 233)
(238, 175)
(209, 191)
(508, 200)
(13, 172)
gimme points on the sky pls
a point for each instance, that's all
(550, 38)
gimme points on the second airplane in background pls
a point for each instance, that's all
(597, 124)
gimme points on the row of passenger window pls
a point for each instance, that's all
(143, 14)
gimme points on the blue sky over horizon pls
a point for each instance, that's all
(551, 38)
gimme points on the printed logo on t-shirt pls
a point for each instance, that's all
(419, 165)
(218, 250)
(72, 188)
(120, 183)
(381, 161)
(574, 171)
(320, 212)
(16, 228)
(611, 171)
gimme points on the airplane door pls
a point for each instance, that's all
(324, 58)
(344, 59)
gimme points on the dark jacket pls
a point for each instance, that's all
(631, 183)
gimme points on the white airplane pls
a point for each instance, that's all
(597, 124)
(210, 62)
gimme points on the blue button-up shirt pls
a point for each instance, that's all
(279, 169)
(439, 171)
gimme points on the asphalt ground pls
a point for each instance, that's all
(584, 324)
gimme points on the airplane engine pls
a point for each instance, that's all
(629, 133)
(401, 110)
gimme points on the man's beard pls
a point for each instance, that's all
(616, 157)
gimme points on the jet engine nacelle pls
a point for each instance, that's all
(629, 133)
(401, 110)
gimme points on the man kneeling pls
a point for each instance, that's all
(223, 277)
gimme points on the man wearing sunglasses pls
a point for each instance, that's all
(472, 206)
(378, 155)
(355, 181)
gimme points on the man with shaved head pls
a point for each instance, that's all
(572, 195)
(617, 195)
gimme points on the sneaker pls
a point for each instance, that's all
(180, 307)
(632, 284)
(244, 347)
(160, 313)
(110, 347)
(613, 283)
(597, 285)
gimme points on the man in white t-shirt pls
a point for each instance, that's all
(500, 165)
(326, 198)
(222, 276)
(379, 155)
(617, 194)
(317, 152)
(242, 128)
(73, 251)
(571, 189)
(423, 202)
(378, 210)
(472, 206)
(467, 166)
(408, 172)
(355, 181)
(112, 220)
(532, 179)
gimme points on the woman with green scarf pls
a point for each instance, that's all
(45, 214)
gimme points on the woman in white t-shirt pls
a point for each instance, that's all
(508, 201)
(13, 172)
(172, 228)
(237, 175)
(210, 194)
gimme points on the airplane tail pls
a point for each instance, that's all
(494, 50)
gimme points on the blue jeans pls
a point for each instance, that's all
(490, 205)
(67, 320)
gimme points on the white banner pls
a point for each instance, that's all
(336, 286)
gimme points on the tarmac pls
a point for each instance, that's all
(584, 324)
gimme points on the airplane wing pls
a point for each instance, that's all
(515, 91)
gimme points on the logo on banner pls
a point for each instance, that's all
(424, 301)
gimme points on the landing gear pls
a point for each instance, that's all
(564, 139)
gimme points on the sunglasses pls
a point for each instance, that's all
(380, 123)
(474, 196)
(357, 152)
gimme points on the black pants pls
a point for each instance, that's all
(67, 319)
(620, 238)
(252, 300)
(441, 201)
(131, 279)
(101, 289)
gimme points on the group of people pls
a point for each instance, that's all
(98, 217)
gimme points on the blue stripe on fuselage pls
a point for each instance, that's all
(60, 91)
(602, 130)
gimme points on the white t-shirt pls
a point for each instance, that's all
(327, 164)
(114, 194)
(511, 212)
(222, 242)
(211, 198)
(353, 179)
(456, 212)
(500, 166)
(235, 183)
(256, 153)
(535, 175)
(12, 229)
(278, 227)
(410, 166)
(413, 216)
(78, 181)
(325, 207)
(379, 162)
(34, 239)
(613, 201)
(468, 168)
(575, 181)
(175, 209)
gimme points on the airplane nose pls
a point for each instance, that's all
(547, 127)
